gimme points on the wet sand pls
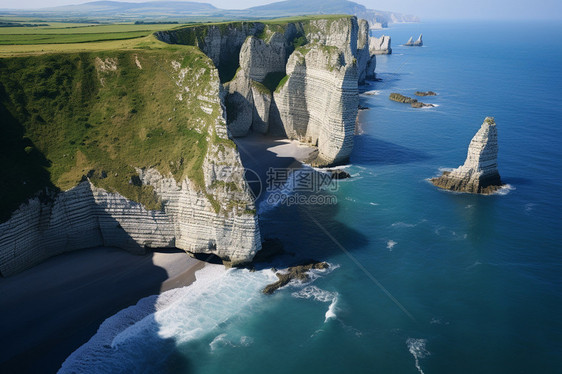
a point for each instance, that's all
(48, 311)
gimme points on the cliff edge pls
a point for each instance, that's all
(297, 79)
(128, 149)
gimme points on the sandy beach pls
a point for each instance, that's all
(50, 310)
(261, 152)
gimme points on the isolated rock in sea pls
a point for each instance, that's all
(299, 272)
(425, 93)
(412, 43)
(339, 174)
(414, 103)
(479, 174)
(380, 46)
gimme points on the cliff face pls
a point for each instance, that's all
(162, 174)
(132, 148)
(297, 79)
(318, 103)
(380, 46)
(479, 173)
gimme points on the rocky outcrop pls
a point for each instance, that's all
(339, 174)
(380, 46)
(299, 272)
(425, 93)
(417, 43)
(479, 173)
(363, 54)
(239, 104)
(259, 58)
(414, 103)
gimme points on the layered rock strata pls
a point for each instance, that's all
(297, 80)
(214, 214)
(479, 173)
(326, 110)
(380, 46)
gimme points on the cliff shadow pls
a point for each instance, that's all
(24, 168)
(289, 228)
(52, 309)
(516, 180)
(383, 81)
(372, 151)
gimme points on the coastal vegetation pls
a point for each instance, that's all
(83, 100)
(67, 116)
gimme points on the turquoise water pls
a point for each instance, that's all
(423, 281)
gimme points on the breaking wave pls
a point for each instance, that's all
(318, 294)
(139, 338)
(504, 190)
(417, 349)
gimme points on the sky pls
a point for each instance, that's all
(426, 9)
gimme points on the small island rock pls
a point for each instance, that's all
(425, 93)
(299, 272)
(479, 174)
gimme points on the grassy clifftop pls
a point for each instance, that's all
(101, 115)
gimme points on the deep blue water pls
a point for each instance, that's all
(471, 283)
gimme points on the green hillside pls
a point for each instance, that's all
(101, 114)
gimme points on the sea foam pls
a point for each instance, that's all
(140, 337)
(318, 294)
(418, 350)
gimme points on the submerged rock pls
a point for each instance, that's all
(299, 272)
(414, 103)
(400, 98)
(339, 174)
(479, 174)
(425, 93)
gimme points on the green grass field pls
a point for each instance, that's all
(60, 33)
(100, 100)
(66, 115)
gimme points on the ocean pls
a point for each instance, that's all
(421, 280)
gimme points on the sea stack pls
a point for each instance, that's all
(479, 174)
(412, 43)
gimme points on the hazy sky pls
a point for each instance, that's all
(427, 9)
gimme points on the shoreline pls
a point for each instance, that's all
(50, 310)
(53, 308)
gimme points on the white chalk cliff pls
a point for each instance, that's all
(323, 61)
(217, 218)
(316, 66)
(380, 46)
(479, 173)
